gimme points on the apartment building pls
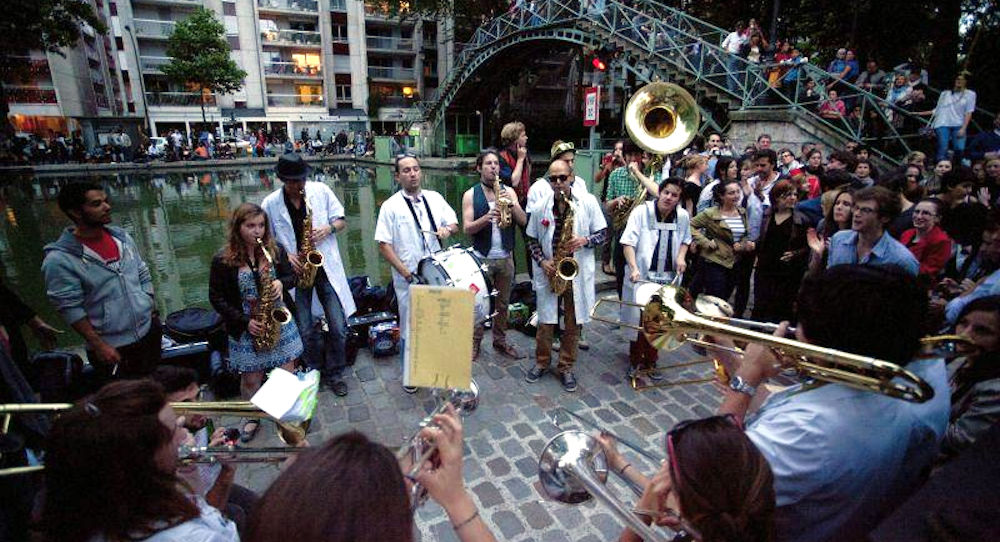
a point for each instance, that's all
(317, 65)
(78, 91)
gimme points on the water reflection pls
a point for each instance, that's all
(178, 219)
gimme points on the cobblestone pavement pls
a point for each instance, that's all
(505, 435)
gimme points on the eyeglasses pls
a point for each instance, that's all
(558, 178)
(921, 212)
(864, 210)
(405, 155)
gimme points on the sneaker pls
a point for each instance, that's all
(338, 387)
(410, 389)
(654, 374)
(568, 381)
(508, 350)
(534, 374)
(582, 344)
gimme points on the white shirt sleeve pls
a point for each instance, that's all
(334, 208)
(630, 235)
(386, 223)
(448, 216)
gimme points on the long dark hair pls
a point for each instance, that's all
(722, 167)
(830, 225)
(101, 474)
(350, 489)
(730, 499)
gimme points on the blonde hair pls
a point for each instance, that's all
(235, 252)
(510, 132)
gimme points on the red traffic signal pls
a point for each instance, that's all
(598, 64)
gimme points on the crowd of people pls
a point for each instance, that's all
(862, 259)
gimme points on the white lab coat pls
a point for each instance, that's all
(395, 226)
(325, 209)
(641, 234)
(541, 225)
(541, 189)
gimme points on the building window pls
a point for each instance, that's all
(114, 8)
(119, 43)
(234, 42)
(239, 105)
(343, 93)
(229, 8)
(131, 105)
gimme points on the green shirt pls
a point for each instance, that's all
(621, 183)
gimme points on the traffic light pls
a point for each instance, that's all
(598, 64)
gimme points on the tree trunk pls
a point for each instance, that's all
(204, 121)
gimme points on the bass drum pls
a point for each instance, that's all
(459, 267)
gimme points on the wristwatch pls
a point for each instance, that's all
(739, 385)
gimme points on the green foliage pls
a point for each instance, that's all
(200, 56)
(46, 25)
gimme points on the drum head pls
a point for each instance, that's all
(459, 267)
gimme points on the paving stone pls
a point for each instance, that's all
(495, 372)
(508, 523)
(358, 414)
(443, 531)
(403, 401)
(365, 374)
(498, 466)
(517, 488)
(552, 535)
(609, 526)
(512, 448)
(528, 467)
(535, 515)
(489, 495)
(607, 416)
(523, 430)
(481, 446)
(624, 409)
(570, 517)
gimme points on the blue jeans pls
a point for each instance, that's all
(331, 360)
(733, 67)
(949, 135)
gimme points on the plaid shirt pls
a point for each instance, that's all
(621, 183)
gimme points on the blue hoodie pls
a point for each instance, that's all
(116, 298)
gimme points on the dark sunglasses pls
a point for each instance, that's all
(558, 178)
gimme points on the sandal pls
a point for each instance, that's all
(248, 434)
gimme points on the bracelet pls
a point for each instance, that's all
(466, 522)
(623, 469)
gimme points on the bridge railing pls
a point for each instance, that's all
(665, 36)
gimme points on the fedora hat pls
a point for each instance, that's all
(292, 167)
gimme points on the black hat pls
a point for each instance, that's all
(292, 167)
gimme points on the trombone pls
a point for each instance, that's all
(668, 323)
(291, 433)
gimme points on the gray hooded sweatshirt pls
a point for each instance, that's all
(117, 298)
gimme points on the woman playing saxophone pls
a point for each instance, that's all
(246, 288)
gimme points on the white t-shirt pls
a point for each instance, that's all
(952, 108)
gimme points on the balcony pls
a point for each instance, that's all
(182, 99)
(181, 3)
(389, 43)
(31, 95)
(152, 64)
(293, 70)
(291, 38)
(392, 74)
(37, 67)
(294, 100)
(297, 6)
(153, 28)
(397, 101)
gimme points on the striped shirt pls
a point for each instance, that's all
(735, 224)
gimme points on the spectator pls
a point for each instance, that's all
(754, 49)
(863, 173)
(787, 161)
(733, 44)
(873, 79)
(986, 144)
(833, 107)
(782, 256)
(907, 186)
(951, 117)
(869, 243)
(809, 95)
(929, 244)
(933, 182)
(814, 163)
(837, 218)
(963, 217)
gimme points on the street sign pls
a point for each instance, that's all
(591, 106)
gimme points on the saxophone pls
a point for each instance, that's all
(620, 216)
(566, 265)
(504, 205)
(311, 258)
(266, 311)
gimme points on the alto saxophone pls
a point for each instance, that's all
(504, 205)
(566, 265)
(311, 258)
(266, 311)
(620, 216)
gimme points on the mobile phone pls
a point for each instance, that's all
(232, 435)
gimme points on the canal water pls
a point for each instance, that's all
(179, 220)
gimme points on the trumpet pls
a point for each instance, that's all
(189, 454)
(668, 323)
(465, 403)
(291, 433)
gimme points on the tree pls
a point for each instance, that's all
(200, 57)
(38, 25)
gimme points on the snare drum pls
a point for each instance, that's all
(459, 267)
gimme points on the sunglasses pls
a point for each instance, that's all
(558, 178)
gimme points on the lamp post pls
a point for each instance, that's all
(142, 82)
(480, 115)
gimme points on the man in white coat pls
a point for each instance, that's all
(412, 224)
(286, 211)
(655, 243)
(544, 231)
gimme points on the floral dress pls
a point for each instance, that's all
(242, 357)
